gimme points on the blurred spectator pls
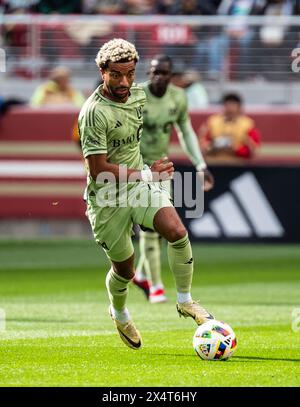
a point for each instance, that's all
(16, 36)
(58, 7)
(166, 6)
(209, 7)
(5, 104)
(187, 7)
(237, 35)
(57, 91)
(231, 133)
(17, 6)
(196, 93)
(195, 7)
(102, 6)
(271, 47)
(138, 7)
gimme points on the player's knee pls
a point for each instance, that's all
(125, 268)
(131, 275)
(177, 234)
(127, 273)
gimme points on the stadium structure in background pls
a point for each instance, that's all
(256, 53)
(41, 172)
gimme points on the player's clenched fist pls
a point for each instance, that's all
(162, 169)
(207, 179)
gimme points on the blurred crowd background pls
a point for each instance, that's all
(142, 7)
(218, 41)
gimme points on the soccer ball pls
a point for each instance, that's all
(214, 340)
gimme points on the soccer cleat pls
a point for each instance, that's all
(128, 333)
(143, 285)
(157, 296)
(194, 310)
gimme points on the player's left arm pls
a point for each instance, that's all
(189, 143)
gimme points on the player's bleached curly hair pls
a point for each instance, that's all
(116, 50)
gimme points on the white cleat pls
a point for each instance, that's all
(157, 296)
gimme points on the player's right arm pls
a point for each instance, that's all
(98, 164)
(93, 130)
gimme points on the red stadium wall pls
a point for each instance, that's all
(277, 125)
(42, 173)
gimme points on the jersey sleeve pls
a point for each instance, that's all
(93, 134)
(187, 137)
(183, 116)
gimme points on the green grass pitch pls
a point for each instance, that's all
(58, 332)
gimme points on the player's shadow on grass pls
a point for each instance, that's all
(256, 358)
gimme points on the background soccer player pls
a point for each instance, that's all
(166, 107)
(110, 128)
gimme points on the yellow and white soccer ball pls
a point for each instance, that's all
(214, 340)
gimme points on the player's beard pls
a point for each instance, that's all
(119, 96)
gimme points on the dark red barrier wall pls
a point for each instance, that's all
(37, 124)
(280, 125)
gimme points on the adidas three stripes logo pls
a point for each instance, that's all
(242, 212)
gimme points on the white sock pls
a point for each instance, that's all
(184, 297)
(122, 316)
